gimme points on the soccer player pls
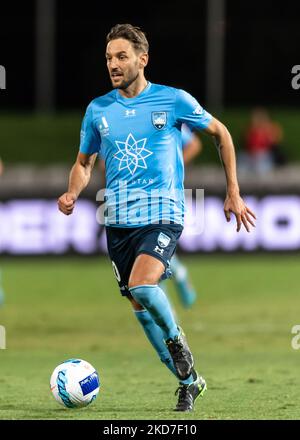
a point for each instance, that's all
(137, 129)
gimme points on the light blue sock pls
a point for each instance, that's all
(156, 337)
(153, 299)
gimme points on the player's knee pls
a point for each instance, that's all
(136, 281)
(143, 294)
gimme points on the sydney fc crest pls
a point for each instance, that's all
(159, 119)
(163, 240)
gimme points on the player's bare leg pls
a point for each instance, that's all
(146, 270)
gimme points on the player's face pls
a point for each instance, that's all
(123, 62)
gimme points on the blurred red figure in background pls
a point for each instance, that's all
(262, 140)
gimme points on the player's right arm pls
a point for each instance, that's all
(90, 144)
(79, 178)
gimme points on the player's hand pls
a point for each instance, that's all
(66, 203)
(236, 205)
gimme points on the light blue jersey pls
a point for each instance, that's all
(141, 143)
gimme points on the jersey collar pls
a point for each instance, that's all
(122, 99)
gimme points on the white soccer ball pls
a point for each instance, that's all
(75, 383)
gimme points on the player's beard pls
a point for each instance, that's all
(127, 82)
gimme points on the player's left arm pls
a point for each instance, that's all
(233, 202)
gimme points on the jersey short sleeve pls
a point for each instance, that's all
(190, 112)
(90, 141)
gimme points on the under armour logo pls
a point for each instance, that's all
(159, 250)
(130, 113)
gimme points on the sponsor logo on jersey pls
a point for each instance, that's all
(159, 119)
(132, 154)
(104, 128)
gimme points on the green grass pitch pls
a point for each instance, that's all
(239, 331)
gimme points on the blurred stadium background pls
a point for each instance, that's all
(233, 57)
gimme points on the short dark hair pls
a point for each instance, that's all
(134, 34)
